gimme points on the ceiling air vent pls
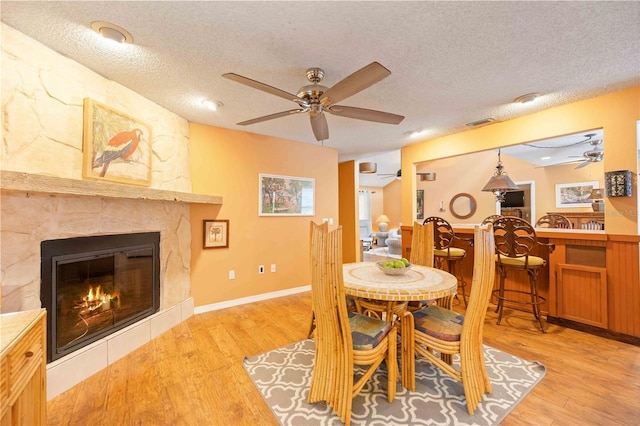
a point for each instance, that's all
(481, 122)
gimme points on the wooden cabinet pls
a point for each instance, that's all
(584, 220)
(23, 368)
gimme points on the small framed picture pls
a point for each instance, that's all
(216, 233)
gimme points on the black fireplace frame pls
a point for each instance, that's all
(92, 246)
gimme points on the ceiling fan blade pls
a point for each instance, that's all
(583, 164)
(354, 83)
(320, 127)
(271, 116)
(265, 88)
(365, 114)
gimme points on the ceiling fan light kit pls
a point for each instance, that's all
(315, 99)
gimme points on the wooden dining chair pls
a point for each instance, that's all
(448, 333)
(343, 339)
(422, 254)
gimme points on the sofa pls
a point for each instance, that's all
(394, 242)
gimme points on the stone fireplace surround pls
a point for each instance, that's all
(31, 214)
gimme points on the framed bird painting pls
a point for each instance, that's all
(116, 146)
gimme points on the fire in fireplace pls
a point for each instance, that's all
(94, 286)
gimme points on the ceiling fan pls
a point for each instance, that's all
(315, 98)
(398, 175)
(593, 155)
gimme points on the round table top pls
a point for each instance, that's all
(364, 279)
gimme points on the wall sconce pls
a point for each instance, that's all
(383, 222)
(597, 196)
(368, 168)
(500, 183)
(429, 176)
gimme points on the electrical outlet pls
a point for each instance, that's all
(261, 269)
(273, 267)
(232, 275)
(330, 221)
(325, 219)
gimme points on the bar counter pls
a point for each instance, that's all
(591, 280)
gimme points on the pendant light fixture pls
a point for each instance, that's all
(500, 183)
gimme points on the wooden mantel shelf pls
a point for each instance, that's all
(26, 182)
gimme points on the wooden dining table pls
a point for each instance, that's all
(366, 280)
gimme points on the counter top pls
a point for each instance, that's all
(13, 324)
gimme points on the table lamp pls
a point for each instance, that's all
(383, 222)
(597, 196)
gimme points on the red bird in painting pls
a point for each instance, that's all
(121, 146)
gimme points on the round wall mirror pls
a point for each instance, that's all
(463, 205)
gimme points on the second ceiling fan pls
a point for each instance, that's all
(315, 98)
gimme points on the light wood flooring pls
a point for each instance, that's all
(193, 374)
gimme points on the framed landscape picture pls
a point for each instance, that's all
(574, 194)
(286, 196)
(116, 147)
(216, 233)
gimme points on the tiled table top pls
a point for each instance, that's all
(364, 279)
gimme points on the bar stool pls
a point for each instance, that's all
(444, 251)
(515, 239)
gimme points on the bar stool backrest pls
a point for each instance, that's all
(514, 237)
(443, 233)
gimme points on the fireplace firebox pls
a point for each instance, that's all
(94, 286)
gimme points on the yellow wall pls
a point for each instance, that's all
(227, 163)
(615, 113)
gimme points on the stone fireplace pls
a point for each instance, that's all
(95, 286)
(31, 216)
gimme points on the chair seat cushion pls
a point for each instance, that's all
(453, 252)
(439, 322)
(519, 261)
(367, 332)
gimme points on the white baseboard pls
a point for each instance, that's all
(250, 299)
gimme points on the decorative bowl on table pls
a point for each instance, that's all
(388, 268)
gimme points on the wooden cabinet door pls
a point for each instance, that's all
(582, 294)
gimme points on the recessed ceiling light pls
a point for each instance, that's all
(529, 97)
(212, 105)
(112, 32)
(416, 133)
(545, 158)
(481, 122)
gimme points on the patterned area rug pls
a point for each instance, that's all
(283, 376)
(383, 251)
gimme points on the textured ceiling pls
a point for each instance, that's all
(451, 62)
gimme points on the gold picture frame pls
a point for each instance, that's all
(116, 147)
(216, 233)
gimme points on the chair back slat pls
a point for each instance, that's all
(422, 244)
(484, 272)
